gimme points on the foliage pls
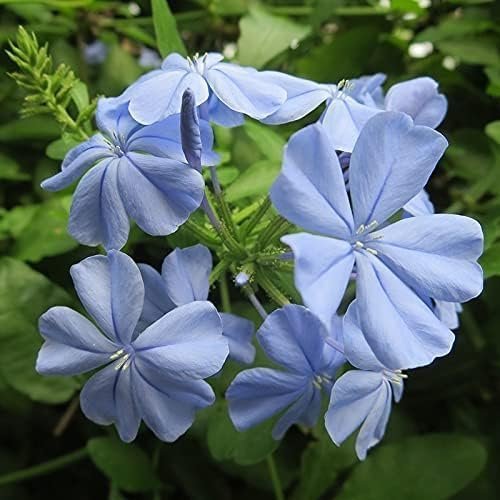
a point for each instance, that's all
(443, 440)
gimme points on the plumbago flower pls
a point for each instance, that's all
(396, 264)
(295, 339)
(226, 91)
(351, 104)
(156, 374)
(362, 397)
(184, 279)
(131, 172)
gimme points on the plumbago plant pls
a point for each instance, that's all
(379, 278)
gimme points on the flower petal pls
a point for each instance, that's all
(343, 120)
(294, 338)
(72, 343)
(303, 96)
(420, 99)
(419, 205)
(259, 393)
(401, 330)
(434, 254)
(239, 333)
(310, 190)
(223, 115)
(187, 342)
(97, 213)
(186, 273)
(323, 267)
(108, 398)
(391, 163)
(161, 96)
(158, 193)
(111, 290)
(243, 90)
(447, 312)
(77, 161)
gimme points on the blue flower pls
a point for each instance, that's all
(95, 52)
(396, 264)
(130, 172)
(227, 91)
(294, 339)
(155, 375)
(363, 397)
(184, 279)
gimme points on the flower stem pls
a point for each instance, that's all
(224, 293)
(275, 228)
(43, 468)
(273, 472)
(257, 216)
(270, 288)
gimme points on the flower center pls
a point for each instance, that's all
(117, 145)
(362, 238)
(322, 380)
(124, 356)
(396, 376)
(198, 63)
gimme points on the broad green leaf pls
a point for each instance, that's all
(80, 95)
(490, 261)
(167, 36)
(40, 128)
(255, 180)
(57, 149)
(264, 36)
(472, 50)
(244, 448)
(227, 175)
(493, 131)
(20, 345)
(13, 222)
(229, 7)
(494, 78)
(10, 170)
(45, 234)
(126, 465)
(27, 292)
(268, 142)
(322, 462)
(430, 467)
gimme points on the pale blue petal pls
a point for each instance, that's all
(239, 333)
(303, 96)
(161, 96)
(343, 119)
(300, 410)
(294, 338)
(420, 99)
(447, 312)
(353, 397)
(244, 91)
(419, 205)
(391, 163)
(397, 389)
(77, 161)
(373, 428)
(323, 267)
(368, 89)
(401, 329)
(187, 342)
(116, 120)
(72, 344)
(223, 115)
(259, 393)
(158, 193)
(108, 398)
(156, 299)
(111, 290)
(190, 130)
(186, 273)
(97, 214)
(310, 190)
(435, 254)
(164, 410)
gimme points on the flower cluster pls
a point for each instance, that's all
(352, 188)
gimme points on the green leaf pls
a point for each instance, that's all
(45, 234)
(40, 128)
(494, 78)
(57, 149)
(80, 95)
(126, 465)
(267, 141)
(167, 36)
(490, 261)
(20, 345)
(13, 222)
(255, 180)
(472, 50)
(10, 170)
(274, 34)
(322, 462)
(493, 131)
(431, 467)
(244, 448)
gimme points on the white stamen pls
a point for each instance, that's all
(373, 224)
(117, 354)
(361, 229)
(358, 245)
(372, 251)
(122, 362)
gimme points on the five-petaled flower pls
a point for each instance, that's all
(156, 375)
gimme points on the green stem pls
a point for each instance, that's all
(224, 294)
(273, 472)
(217, 271)
(354, 10)
(271, 289)
(242, 214)
(205, 236)
(256, 218)
(44, 468)
(276, 226)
